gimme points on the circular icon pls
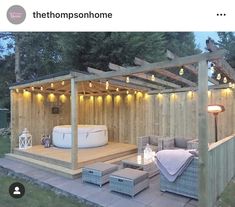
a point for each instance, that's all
(16, 14)
(16, 190)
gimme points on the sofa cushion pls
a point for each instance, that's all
(153, 140)
(180, 142)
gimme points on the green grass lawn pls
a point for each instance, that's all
(34, 195)
(4, 145)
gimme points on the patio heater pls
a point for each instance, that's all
(215, 110)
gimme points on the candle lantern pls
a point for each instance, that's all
(25, 139)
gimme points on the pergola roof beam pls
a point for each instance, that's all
(119, 80)
(155, 66)
(144, 76)
(166, 73)
(191, 68)
(187, 89)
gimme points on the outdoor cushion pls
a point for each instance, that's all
(127, 173)
(180, 142)
(153, 140)
(169, 143)
(104, 168)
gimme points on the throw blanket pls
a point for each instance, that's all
(172, 163)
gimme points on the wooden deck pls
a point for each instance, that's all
(59, 159)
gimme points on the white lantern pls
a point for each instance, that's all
(25, 139)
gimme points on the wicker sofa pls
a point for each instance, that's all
(152, 140)
(157, 143)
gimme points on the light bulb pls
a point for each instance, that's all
(152, 78)
(90, 84)
(135, 92)
(212, 68)
(181, 72)
(52, 85)
(107, 85)
(17, 90)
(41, 88)
(62, 83)
(117, 89)
(127, 92)
(230, 84)
(128, 79)
(225, 80)
(32, 88)
(233, 85)
(218, 76)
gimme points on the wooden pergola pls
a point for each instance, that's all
(151, 78)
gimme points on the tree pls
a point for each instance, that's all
(227, 41)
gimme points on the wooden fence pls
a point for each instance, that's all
(127, 116)
(221, 166)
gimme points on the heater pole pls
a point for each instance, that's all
(216, 134)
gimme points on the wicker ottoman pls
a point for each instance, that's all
(98, 173)
(129, 181)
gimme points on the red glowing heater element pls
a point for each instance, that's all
(215, 109)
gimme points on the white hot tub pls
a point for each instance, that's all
(88, 136)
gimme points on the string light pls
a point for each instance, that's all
(41, 88)
(32, 88)
(128, 79)
(62, 83)
(181, 72)
(152, 78)
(90, 84)
(212, 68)
(107, 85)
(218, 76)
(117, 89)
(52, 85)
(225, 80)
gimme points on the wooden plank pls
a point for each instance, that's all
(144, 76)
(155, 66)
(74, 123)
(203, 190)
(167, 73)
(191, 68)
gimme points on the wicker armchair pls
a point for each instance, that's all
(152, 140)
(186, 184)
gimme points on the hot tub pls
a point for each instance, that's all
(88, 136)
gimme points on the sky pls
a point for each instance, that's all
(201, 38)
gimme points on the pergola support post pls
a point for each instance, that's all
(204, 195)
(74, 123)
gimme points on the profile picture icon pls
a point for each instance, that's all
(16, 190)
(16, 14)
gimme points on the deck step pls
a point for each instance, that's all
(66, 172)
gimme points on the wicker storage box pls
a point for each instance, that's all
(98, 173)
(129, 181)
